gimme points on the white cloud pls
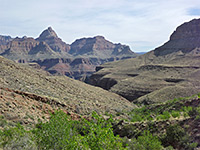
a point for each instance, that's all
(142, 24)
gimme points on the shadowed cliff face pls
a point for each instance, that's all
(77, 60)
(171, 70)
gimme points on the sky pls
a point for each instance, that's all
(141, 24)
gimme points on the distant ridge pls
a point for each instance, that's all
(62, 58)
(141, 53)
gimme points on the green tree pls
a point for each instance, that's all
(177, 137)
(58, 133)
(99, 134)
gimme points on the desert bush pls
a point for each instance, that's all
(164, 116)
(193, 112)
(58, 133)
(175, 114)
(146, 141)
(141, 114)
(99, 134)
(3, 122)
(17, 138)
(136, 117)
(186, 109)
(63, 133)
(177, 137)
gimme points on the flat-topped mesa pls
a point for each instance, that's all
(98, 46)
(89, 45)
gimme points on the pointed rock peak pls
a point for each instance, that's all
(48, 33)
(50, 28)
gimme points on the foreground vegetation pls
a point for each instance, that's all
(169, 121)
(61, 132)
(173, 109)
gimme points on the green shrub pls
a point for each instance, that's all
(164, 116)
(136, 117)
(141, 114)
(193, 112)
(99, 134)
(58, 133)
(177, 137)
(187, 109)
(17, 138)
(198, 95)
(146, 141)
(185, 114)
(63, 133)
(174, 135)
(198, 113)
(197, 117)
(175, 114)
(169, 148)
(198, 110)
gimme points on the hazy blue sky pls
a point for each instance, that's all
(141, 24)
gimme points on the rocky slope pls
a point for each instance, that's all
(171, 70)
(77, 60)
(26, 84)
